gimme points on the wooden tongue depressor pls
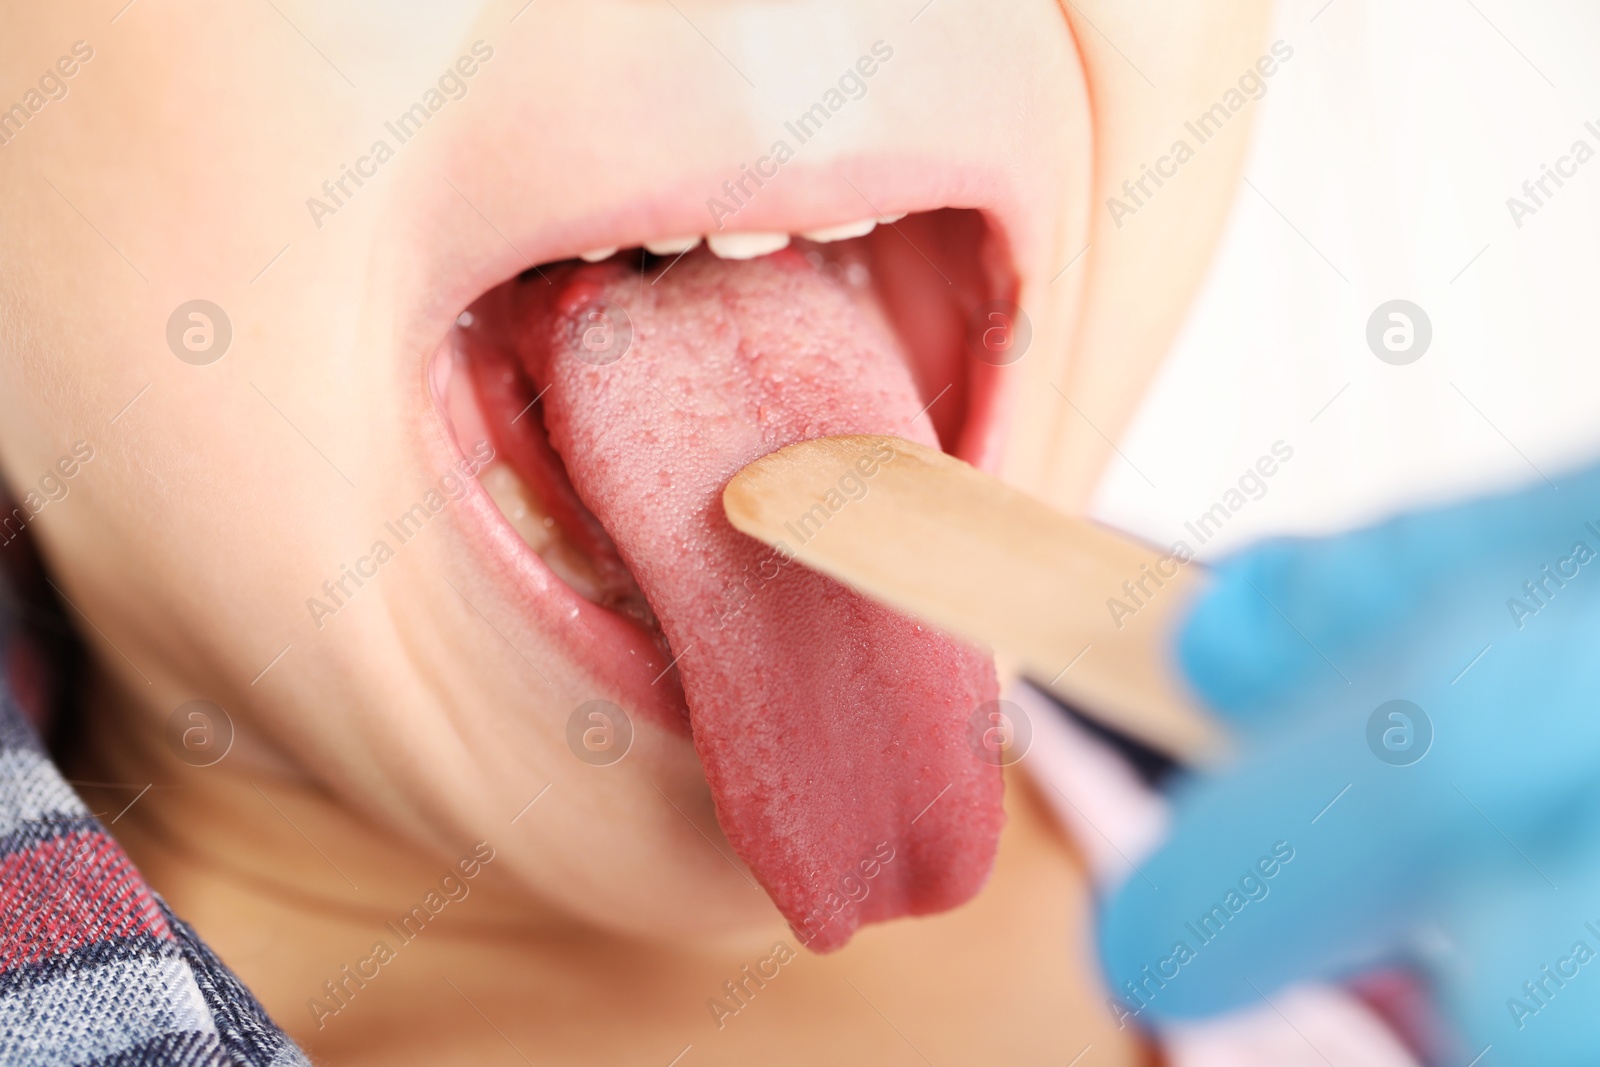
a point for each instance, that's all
(938, 539)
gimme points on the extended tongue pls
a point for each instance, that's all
(834, 733)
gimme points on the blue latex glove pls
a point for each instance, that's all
(1458, 835)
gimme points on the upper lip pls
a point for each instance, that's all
(479, 234)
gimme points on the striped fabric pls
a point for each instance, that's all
(94, 968)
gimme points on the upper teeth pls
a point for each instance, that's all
(745, 245)
(843, 231)
(671, 246)
(748, 244)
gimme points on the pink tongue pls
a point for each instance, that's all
(834, 733)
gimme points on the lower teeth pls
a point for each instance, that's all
(540, 531)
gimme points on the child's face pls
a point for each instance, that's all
(206, 508)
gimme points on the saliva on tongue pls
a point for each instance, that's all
(834, 733)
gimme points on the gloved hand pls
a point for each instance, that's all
(1457, 833)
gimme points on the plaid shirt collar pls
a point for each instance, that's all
(94, 967)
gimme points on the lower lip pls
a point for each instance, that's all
(618, 656)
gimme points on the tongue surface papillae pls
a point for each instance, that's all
(834, 733)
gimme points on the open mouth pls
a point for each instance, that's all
(620, 390)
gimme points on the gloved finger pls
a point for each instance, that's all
(1382, 824)
(1309, 861)
(1298, 611)
(1516, 964)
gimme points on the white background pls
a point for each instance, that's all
(1390, 141)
